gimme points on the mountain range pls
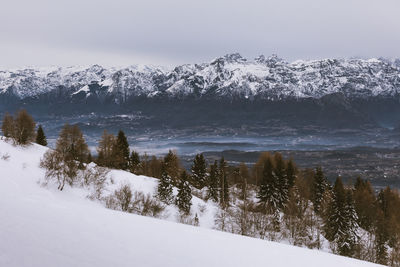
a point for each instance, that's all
(334, 92)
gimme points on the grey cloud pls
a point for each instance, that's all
(179, 31)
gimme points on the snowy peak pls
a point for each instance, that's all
(229, 76)
(271, 61)
(229, 58)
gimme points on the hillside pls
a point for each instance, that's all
(42, 226)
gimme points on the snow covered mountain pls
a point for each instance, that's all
(226, 91)
(42, 226)
(229, 76)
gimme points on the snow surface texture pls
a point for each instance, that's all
(41, 226)
(227, 76)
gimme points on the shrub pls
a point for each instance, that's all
(124, 196)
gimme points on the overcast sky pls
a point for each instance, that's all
(162, 32)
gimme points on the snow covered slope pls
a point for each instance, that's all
(41, 226)
(227, 76)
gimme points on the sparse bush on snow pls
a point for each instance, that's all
(123, 196)
(95, 177)
(5, 157)
(135, 202)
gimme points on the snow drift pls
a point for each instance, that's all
(42, 226)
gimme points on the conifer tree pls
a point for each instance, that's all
(121, 151)
(165, 187)
(134, 162)
(283, 185)
(199, 171)
(171, 165)
(184, 196)
(212, 185)
(223, 180)
(382, 229)
(364, 203)
(319, 188)
(290, 173)
(335, 219)
(268, 193)
(341, 221)
(349, 237)
(381, 253)
(40, 137)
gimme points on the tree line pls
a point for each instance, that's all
(273, 199)
(21, 129)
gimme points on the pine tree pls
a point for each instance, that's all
(40, 137)
(291, 173)
(134, 162)
(165, 187)
(319, 188)
(283, 184)
(348, 236)
(184, 196)
(341, 221)
(381, 253)
(223, 180)
(364, 202)
(199, 171)
(335, 219)
(171, 165)
(268, 193)
(212, 185)
(382, 232)
(121, 151)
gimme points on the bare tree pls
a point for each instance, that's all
(64, 162)
(95, 179)
(71, 144)
(24, 128)
(56, 167)
(7, 127)
(105, 149)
